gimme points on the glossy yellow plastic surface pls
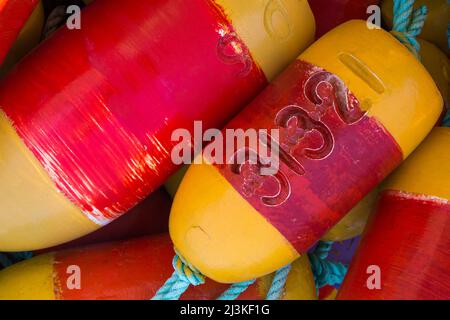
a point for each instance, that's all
(34, 280)
(427, 171)
(28, 280)
(222, 235)
(38, 214)
(435, 28)
(27, 39)
(275, 32)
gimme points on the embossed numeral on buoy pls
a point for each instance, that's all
(231, 50)
(326, 90)
(253, 180)
(283, 30)
(296, 123)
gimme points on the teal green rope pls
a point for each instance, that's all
(183, 276)
(278, 283)
(326, 272)
(8, 259)
(5, 261)
(408, 24)
(447, 119)
(235, 290)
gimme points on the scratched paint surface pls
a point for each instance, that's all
(408, 239)
(130, 270)
(331, 154)
(98, 108)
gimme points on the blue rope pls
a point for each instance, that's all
(278, 283)
(447, 119)
(8, 259)
(183, 276)
(326, 272)
(408, 24)
(4, 261)
(235, 290)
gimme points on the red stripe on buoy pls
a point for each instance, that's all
(331, 154)
(97, 106)
(408, 240)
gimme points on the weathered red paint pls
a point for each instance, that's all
(331, 154)
(97, 106)
(331, 13)
(13, 15)
(151, 216)
(131, 270)
(408, 239)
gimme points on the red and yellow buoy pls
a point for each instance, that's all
(358, 103)
(406, 244)
(128, 270)
(92, 135)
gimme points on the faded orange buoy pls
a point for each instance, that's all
(127, 270)
(83, 146)
(404, 253)
(346, 120)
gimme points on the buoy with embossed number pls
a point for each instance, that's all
(345, 119)
(404, 253)
(20, 30)
(127, 270)
(87, 119)
(331, 13)
(436, 27)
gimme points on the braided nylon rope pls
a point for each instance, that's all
(447, 119)
(278, 283)
(235, 290)
(326, 272)
(408, 24)
(183, 276)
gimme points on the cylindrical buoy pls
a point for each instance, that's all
(404, 253)
(128, 270)
(435, 29)
(14, 16)
(345, 119)
(331, 13)
(87, 118)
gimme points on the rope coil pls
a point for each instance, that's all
(326, 272)
(408, 24)
(185, 275)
